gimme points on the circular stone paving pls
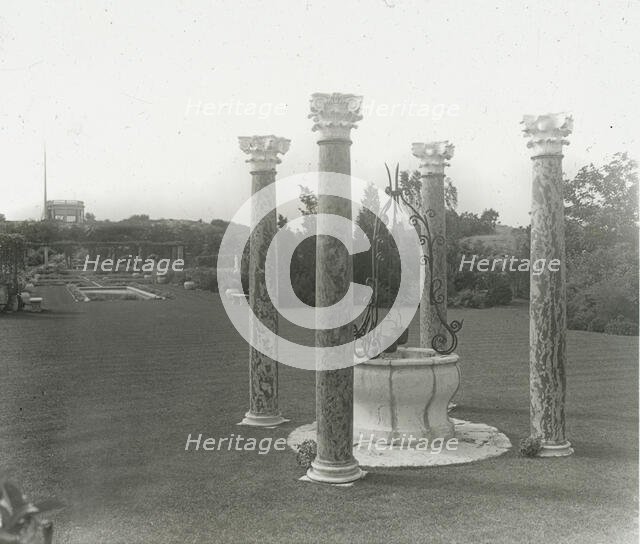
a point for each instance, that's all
(476, 441)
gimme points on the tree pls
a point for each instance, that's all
(367, 221)
(601, 214)
(89, 217)
(411, 183)
(139, 217)
(370, 200)
(303, 263)
(489, 218)
(450, 195)
(309, 201)
(601, 204)
(2, 218)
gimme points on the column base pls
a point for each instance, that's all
(335, 474)
(257, 420)
(555, 449)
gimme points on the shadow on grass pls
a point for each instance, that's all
(44, 314)
(565, 489)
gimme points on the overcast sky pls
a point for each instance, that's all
(114, 90)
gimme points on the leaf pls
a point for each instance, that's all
(5, 516)
(24, 512)
(47, 505)
(13, 495)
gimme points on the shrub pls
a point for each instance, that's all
(464, 297)
(178, 277)
(463, 280)
(35, 257)
(530, 446)
(307, 451)
(579, 321)
(480, 300)
(597, 324)
(592, 303)
(207, 261)
(500, 292)
(204, 278)
(580, 309)
(468, 298)
(613, 298)
(621, 327)
(168, 275)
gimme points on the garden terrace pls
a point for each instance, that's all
(97, 400)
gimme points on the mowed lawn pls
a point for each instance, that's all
(97, 400)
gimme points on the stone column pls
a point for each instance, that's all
(547, 303)
(263, 371)
(433, 159)
(334, 115)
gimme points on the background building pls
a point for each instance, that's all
(68, 211)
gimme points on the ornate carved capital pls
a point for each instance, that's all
(264, 151)
(546, 133)
(433, 156)
(335, 114)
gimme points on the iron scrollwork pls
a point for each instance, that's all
(440, 343)
(371, 314)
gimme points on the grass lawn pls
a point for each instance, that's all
(97, 400)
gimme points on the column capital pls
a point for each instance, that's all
(335, 114)
(546, 133)
(433, 156)
(264, 151)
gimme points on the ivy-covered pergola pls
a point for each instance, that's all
(12, 263)
(114, 248)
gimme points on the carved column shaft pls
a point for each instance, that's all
(433, 305)
(263, 371)
(547, 310)
(433, 159)
(334, 115)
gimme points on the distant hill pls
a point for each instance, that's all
(505, 241)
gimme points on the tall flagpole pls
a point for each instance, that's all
(44, 209)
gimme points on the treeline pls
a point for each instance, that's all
(201, 240)
(601, 215)
(601, 222)
(601, 218)
(459, 227)
(601, 239)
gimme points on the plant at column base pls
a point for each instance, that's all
(530, 446)
(18, 524)
(307, 451)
